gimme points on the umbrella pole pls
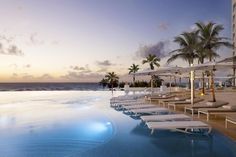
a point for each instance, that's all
(152, 85)
(192, 86)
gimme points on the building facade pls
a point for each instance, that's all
(234, 34)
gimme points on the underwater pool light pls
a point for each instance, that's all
(98, 126)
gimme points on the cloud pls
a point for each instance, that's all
(34, 39)
(7, 47)
(82, 77)
(81, 69)
(104, 63)
(46, 77)
(102, 70)
(77, 68)
(27, 76)
(81, 74)
(158, 49)
(163, 26)
(55, 42)
(13, 50)
(6, 39)
(14, 66)
(14, 75)
(27, 66)
(19, 8)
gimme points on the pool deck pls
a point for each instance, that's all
(218, 122)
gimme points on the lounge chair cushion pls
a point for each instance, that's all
(209, 103)
(176, 98)
(230, 107)
(188, 100)
(216, 104)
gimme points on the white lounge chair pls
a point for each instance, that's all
(139, 106)
(196, 107)
(155, 110)
(168, 117)
(164, 102)
(183, 103)
(115, 103)
(157, 99)
(121, 105)
(224, 110)
(181, 126)
(230, 119)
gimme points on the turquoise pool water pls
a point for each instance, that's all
(82, 124)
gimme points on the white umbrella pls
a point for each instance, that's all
(208, 66)
(162, 71)
(202, 67)
(229, 59)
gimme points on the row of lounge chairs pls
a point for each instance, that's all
(179, 122)
(157, 117)
(200, 106)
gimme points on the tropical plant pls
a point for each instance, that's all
(112, 78)
(229, 81)
(157, 80)
(121, 84)
(103, 82)
(152, 60)
(188, 42)
(210, 43)
(201, 56)
(208, 74)
(133, 69)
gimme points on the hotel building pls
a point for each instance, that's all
(234, 30)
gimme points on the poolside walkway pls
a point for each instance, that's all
(218, 122)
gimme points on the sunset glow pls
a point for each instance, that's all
(81, 40)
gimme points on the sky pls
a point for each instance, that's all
(82, 40)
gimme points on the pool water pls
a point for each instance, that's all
(82, 124)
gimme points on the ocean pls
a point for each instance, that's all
(49, 86)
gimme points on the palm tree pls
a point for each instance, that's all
(103, 82)
(112, 78)
(188, 42)
(201, 55)
(210, 43)
(133, 69)
(152, 60)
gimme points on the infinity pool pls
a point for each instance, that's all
(82, 124)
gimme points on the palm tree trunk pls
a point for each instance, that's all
(234, 74)
(209, 82)
(133, 78)
(203, 83)
(213, 87)
(112, 88)
(152, 85)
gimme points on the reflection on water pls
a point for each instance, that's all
(82, 124)
(52, 125)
